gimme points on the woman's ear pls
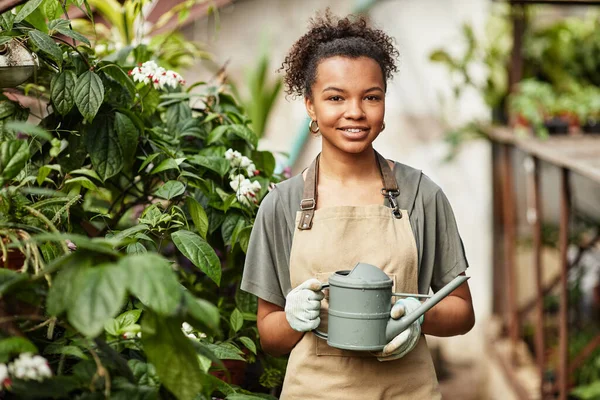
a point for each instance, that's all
(310, 108)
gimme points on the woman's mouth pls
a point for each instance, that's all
(354, 133)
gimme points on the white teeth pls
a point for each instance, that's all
(353, 130)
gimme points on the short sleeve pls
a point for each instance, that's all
(266, 269)
(443, 251)
(450, 259)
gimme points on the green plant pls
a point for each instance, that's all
(132, 202)
(491, 53)
(125, 29)
(263, 93)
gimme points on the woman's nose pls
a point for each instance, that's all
(354, 110)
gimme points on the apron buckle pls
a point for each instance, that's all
(308, 204)
(391, 195)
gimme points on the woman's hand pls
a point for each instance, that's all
(407, 340)
(281, 329)
(303, 306)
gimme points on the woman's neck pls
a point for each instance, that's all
(348, 168)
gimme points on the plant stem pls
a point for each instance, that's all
(74, 48)
(64, 7)
(101, 372)
(19, 317)
(51, 226)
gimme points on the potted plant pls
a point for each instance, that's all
(144, 193)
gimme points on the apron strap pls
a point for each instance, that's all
(308, 204)
(390, 186)
(309, 197)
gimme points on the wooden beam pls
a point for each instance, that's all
(557, 2)
(563, 328)
(509, 231)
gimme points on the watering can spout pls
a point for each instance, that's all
(395, 327)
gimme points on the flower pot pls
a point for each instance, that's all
(14, 260)
(557, 126)
(237, 372)
(591, 126)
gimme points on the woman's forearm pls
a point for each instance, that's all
(451, 316)
(276, 335)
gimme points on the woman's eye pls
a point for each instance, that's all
(373, 98)
(335, 98)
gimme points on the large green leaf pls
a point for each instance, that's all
(89, 94)
(173, 355)
(198, 216)
(115, 72)
(170, 190)
(151, 279)
(27, 9)
(128, 137)
(28, 128)
(236, 320)
(264, 162)
(65, 286)
(101, 296)
(245, 133)
(233, 224)
(202, 314)
(199, 252)
(99, 245)
(102, 142)
(6, 20)
(13, 157)
(74, 35)
(62, 91)
(46, 45)
(218, 164)
(216, 134)
(52, 9)
(226, 351)
(10, 280)
(15, 345)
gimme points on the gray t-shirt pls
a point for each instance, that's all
(439, 246)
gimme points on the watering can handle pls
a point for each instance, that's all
(318, 333)
(397, 326)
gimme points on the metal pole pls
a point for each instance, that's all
(563, 240)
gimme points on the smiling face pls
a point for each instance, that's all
(348, 103)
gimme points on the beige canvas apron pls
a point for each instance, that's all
(336, 238)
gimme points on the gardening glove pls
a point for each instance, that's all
(407, 339)
(303, 305)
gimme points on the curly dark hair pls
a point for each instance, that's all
(330, 36)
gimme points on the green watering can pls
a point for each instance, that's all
(359, 308)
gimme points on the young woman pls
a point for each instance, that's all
(333, 215)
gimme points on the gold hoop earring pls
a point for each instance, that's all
(311, 128)
(382, 127)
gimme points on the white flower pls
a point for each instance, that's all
(231, 155)
(186, 328)
(237, 161)
(30, 367)
(245, 190)
(3, 375)
(191, 335)
(251, 170)
(245, 162)
(236, 181)
(150, 72)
